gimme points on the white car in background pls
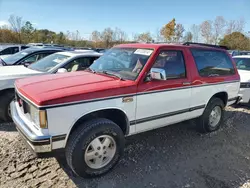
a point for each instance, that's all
(60, 62)
(243, 66)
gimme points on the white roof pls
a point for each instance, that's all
(79, 53)
(241, 56)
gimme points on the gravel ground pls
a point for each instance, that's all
(174, 156)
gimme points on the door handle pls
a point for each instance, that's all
(186, 83)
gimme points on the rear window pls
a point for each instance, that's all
(242, 63)
(212, 63)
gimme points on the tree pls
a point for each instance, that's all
(107, 37)
(206, 31)
(236, 41)
(60, 38)
(96, 37)
(219, 25)
(144, 37)
(8, 36)
(179, 30)
(168, 30)
(188, 37)
(16, 24)
(195, 31)
(235, 26)
(27, 32)
(120, 36)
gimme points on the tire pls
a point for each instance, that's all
(5, 100)
(82, 137)
(203, 124)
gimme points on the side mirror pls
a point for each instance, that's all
(158, 74)
(26, 64)
(62, 70)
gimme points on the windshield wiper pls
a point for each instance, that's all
(3, 62)
(89, 69)
(112, 74)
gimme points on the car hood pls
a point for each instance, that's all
(244, 75)
(15, 71)
(72, 87)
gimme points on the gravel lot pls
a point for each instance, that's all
(174, 156)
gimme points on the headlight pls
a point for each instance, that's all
(39, 117)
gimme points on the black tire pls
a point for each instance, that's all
(5, 100)
(82, 137)
(203, 124)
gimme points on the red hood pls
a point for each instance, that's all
(72, 87)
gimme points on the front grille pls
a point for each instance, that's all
(22, 104)
(244, 85)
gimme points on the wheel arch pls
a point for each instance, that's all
(223, 95)
(3, 91)
(116, 115)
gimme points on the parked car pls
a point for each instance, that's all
(28, 56)
(11, 49)
(56, 63)
(89, 113)
(243, 65)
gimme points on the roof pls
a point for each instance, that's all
(3, 46)
(34, 49)
(76, 53)
(241, 56)
(160, 45)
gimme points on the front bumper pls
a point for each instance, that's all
(39, 144)
(245, 94)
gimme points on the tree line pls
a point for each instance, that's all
(219, 31)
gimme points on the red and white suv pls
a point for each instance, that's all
(130, 89)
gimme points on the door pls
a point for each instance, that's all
(166, 101)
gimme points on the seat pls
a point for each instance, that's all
(75, 68)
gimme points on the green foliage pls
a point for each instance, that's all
(144, 37)
(168, 30)
(236, 41)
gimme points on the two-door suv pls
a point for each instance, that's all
(130, 89)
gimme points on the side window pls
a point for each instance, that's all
(42, 55)
(172, 62)
(212, 63)
(31, 59)
(24, 47)
(6, 51)
(15, 50)
(79, 64)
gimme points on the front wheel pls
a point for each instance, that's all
(5, 101)
(212, 116)
(95, 147)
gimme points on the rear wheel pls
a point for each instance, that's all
(95, 147)
(5, 100)
(212, 116)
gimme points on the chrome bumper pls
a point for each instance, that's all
(39, 144)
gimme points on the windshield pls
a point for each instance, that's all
(242, 63)
(49, 62)
(123, 62)
(15, 57)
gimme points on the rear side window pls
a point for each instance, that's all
(212, 63)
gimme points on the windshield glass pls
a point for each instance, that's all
(49, 62)
(123, 62)
(15, 57)
(242, 63)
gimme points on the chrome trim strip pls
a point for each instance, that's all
(160, 116)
